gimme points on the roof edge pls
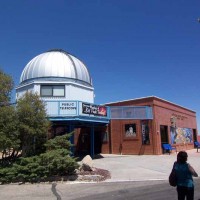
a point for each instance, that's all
(153, 97)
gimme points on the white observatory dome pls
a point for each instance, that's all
(57, 65)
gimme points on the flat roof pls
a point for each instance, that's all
(148, 97)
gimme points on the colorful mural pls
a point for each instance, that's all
(180, 135)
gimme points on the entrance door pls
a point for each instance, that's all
(194, 135)
(164, 134)
(97, 142)
(84, 144)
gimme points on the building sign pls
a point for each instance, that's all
(68, 108)
(94, 109)
(179, 117)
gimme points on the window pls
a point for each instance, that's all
(59, 91)
(46, 91)
(128, 114)
(52, 90)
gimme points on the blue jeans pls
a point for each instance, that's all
(185, 192)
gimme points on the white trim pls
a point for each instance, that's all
(54, 82)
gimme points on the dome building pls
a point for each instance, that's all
(64, 83)
(57, 74)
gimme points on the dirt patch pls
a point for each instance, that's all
(101, 173)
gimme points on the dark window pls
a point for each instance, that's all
(52, 90)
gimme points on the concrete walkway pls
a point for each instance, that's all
(143, 167)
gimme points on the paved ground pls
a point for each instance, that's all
(156, 190)
(133, 177)
(145, 167)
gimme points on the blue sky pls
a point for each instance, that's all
(132, 48)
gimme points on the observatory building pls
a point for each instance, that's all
(135, 126)
(64, 83)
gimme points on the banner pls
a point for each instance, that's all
(92, 109)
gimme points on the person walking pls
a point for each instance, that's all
(184, 172)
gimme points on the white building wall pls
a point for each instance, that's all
(73, 92)
(80, 94)
(37, 88)
(22, 90)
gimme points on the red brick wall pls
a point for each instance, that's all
(131, 145)
(185, 119)
(162, 113)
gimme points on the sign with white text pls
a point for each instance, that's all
(92, 109)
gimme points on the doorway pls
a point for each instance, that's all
(164, 134)
(88, 144)
(97, 142)
(194, 136)
(83, 147)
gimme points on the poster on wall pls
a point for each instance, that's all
(180, 135)
(130, 130)
(94, 109)
(145, 133)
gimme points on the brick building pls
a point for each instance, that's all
(132, 134)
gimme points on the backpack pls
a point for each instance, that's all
(173, 177)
